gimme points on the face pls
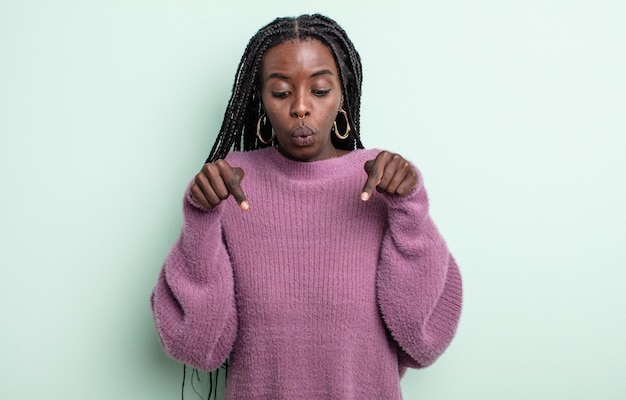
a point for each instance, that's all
(301, 95)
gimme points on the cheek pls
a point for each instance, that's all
(270, 106)
(273, 114)
(334, 111)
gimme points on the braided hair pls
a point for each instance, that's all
(238, 130)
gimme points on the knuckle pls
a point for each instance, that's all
(209, 171)
(221, 192)
(222, 165)
(207, 167)
(199, 180)
(239, 174)
(386, 155)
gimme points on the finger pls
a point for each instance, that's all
(203, 193)
(397, 169)
(410, 182)
(213, 172)
(372, 180)
(232, 181)
(197, 196)
(403, 171)
(395, 182)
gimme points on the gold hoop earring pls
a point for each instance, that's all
(345, 135)
(258, 131)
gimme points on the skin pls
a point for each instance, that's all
(301, 95)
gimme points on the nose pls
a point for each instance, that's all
(300, 107)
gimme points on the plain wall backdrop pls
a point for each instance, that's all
(515, 111)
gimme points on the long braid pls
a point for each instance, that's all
(238, 130)
(349, 70)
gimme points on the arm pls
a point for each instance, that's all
(193, 301)
(419, 286)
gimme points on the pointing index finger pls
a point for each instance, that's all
(234, 188)
(373, 179)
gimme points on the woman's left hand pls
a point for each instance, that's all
(389, 173)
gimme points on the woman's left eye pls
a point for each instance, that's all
(320, 93)
(280, 95)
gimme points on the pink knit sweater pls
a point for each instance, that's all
(312, 293)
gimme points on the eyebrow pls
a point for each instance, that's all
(322, 72)
(278, 75)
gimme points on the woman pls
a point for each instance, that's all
(312, 283)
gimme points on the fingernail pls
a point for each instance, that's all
(244, 205)
(365, 196)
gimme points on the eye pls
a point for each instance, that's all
(280, 95)
(320, 93)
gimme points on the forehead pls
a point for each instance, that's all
(293, 56)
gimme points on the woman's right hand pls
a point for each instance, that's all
(215, 182)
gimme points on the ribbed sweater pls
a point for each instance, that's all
(312, 293)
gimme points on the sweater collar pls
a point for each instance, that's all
(335, 166)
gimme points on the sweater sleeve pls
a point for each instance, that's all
(419, 285)
(193, 302)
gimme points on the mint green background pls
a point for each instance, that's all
(514, 111)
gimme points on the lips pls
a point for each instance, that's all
(302, 131)
(302, 135)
